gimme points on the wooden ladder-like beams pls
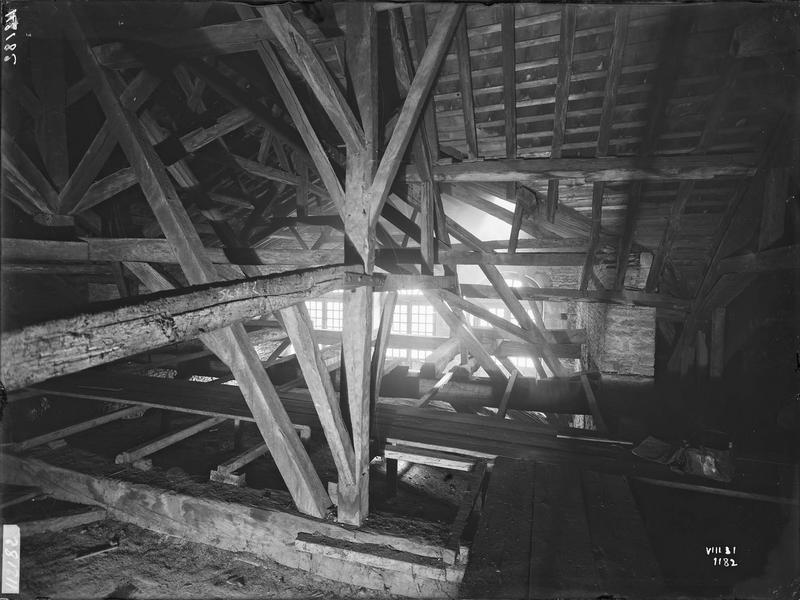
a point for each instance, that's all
(231, 344)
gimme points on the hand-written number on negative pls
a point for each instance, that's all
(11, 25)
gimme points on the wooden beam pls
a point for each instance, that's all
(293, 105)
(38, 352)
(566, 45)
(592, 401)
(356, 347)
(441, 356)
(53, 524)
(419, 32)
(661, 254)
(535, 342)
(613, 74)
(382, 341)
(265, 532)
(512, 302)
(734, 230)
(716, 364)
(594, 236)
(669, 62)
(459, 329)
(147, 448)
(773, 213)
(26, 176)
(298, 325)
(415, 100)
(509, 78)
(76, 428)
(306, 58)
(614, 71)
(154, 250)
(622, 297)
(228, 89)
(589, 170)
(503, 406)
(136, 93)
(465, 85)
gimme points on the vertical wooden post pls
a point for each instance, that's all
(362, 58)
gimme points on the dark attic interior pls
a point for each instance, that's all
(376, 300)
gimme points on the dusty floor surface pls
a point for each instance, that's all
(150, 565)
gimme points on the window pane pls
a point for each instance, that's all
(400, 319)
(421, 320)
(333, 315)
(396, 353)
(315, 311)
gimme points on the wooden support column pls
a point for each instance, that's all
(353, 499)
(231, 344)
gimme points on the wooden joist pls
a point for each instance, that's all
(60, 434)
(52, 524)
(147, 448)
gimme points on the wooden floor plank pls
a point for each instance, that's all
(625, 560)
(562, 562)
(500, 557)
